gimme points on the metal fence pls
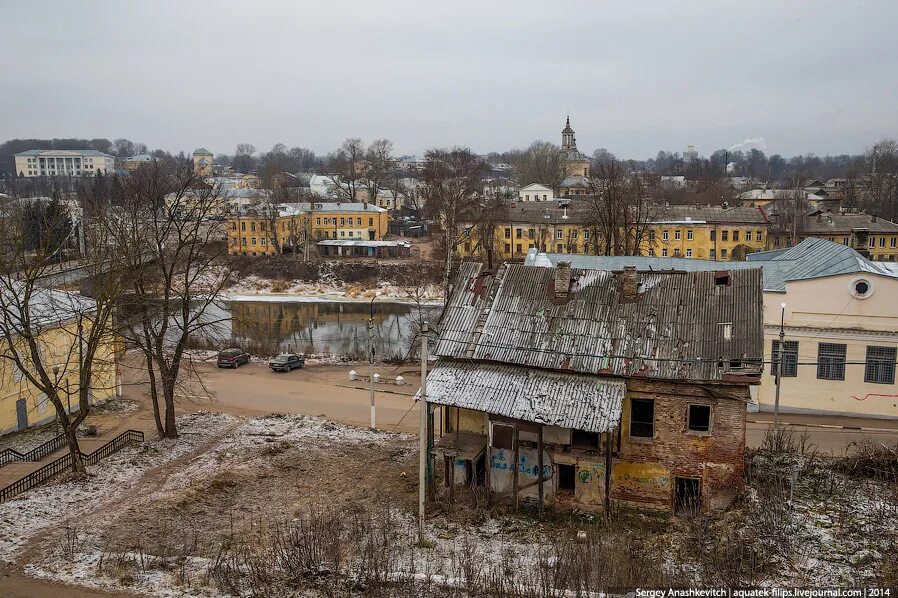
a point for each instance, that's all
(35, 454)
(64, 463)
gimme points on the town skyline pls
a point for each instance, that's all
(633, 81)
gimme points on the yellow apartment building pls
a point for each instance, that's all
(874, 237)
(250, 232)
(713, 233)
(21, 403)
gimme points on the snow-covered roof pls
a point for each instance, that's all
(583, 402)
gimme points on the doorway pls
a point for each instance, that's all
(567, 476)
(687, 496)
(21, 415)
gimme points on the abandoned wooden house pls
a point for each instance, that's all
(590, 386)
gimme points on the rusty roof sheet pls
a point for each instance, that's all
(589, 403)
(682, 325)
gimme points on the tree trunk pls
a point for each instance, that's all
(171, 425)
(154, 398)
(74, 449)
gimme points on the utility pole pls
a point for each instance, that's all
(779, 366)
(371, 359)
(422, 439)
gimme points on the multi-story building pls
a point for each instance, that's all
(874, 237)
(252, 232)
(86, 162)
(840, 323)
(715, 233)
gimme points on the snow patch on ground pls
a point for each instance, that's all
(53, 504)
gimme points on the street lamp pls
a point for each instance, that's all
(779, 365)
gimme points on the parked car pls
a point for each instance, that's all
(232, 358)
(286, 362)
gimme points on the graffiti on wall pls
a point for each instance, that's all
(503, 460)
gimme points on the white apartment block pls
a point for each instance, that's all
(87, 162)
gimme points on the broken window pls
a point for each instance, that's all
(688, 494)
(584, 440)
(503, 437)
(699, 418)
(723, 278)
(642, 418)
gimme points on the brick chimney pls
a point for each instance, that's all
(562, 279)
(629, 284)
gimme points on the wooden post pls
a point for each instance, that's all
(486, 461)
(608, 474)
(516, 458)
(422, 438)
(539, 447)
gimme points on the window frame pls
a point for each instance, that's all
(831, 359)
(886, 362)
(689, 429)
(790, 358)
(641, 437)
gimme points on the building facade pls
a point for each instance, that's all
(202, 162)
(873, 237)
(587, 387)
(840, 324)
(250, 231)
(536, 192)
(36, 163)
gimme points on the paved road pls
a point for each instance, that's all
(325, 390)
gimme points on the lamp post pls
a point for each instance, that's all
(371, 358)
(779, 365)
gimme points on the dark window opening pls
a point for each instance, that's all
(861, 287)
(503, 437)
(642, 418)
(699, 418)
(722, 279)
(567, 476)
(688, 494)
(585, 440)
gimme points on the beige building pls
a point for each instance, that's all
(202, 162)
(840, 324)
(87, 162)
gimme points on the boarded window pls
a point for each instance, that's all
(790, 358)
(699, 418)
(584, 440)
(503, 437)
(880, 368)
(831, 361)
(642, 418)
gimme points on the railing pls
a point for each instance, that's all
(64, 463)
(35, 454)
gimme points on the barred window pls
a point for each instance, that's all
(830, 361)
(790, 358)
(880, 367)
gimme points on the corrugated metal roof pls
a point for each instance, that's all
(681, 325)
(589, 403)
(812, 258)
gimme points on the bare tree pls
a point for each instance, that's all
(618, 212)
(60, 343)
(379, 165)
(346, 167)
(453, 182)
(172, 237)
(542, 162)
(882, 197)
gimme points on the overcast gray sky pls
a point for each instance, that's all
(636, 76)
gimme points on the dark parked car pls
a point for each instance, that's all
(286, 362)
(232, 358)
